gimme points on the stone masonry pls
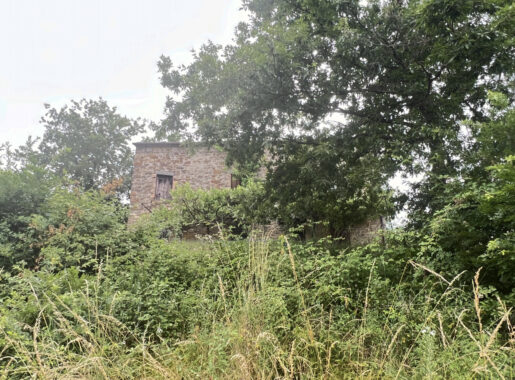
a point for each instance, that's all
(201, 167)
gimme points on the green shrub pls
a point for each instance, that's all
(80, 229)
(22, 194)
(477, 230)
(236, 211)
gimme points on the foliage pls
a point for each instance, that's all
(22, 194)
(492, 141)
(125, 303)
(89, 142)
(346, 89)
(310, 184)
(477, 229)
(252, 309)
(80, 229)
(7, 159)
(237, 211)
(245, 208)
(44, 222)
(474, 227)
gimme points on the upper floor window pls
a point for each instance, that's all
(164, 184)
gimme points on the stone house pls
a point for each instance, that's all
(159, 167)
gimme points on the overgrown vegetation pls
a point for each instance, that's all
(426, 90)
(254, 308)
(99, 301)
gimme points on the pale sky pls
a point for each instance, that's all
(56, 50)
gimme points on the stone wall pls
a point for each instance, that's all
(357, 234)
(365, 232)
(201, 167)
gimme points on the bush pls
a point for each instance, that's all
(22, 194)
(477, 230)
(81, 229)
(236, 211)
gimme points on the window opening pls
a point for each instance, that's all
(164, 184)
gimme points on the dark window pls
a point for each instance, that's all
(235, 181)
(164, 185)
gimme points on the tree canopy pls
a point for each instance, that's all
(344, 94)
(89, 141)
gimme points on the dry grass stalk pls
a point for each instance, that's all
(442, 334)
(305, 310)
(290, 359)
(430, 271)
(430, 315)
(328, 360)
(485, 351)
(475, 287)
(390, 347)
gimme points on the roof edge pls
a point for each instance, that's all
(164, 144)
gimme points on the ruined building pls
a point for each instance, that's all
(159, 167)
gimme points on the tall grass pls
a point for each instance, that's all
(262, 325)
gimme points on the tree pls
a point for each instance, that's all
(89, 142)
(346, 89)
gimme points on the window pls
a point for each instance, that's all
(235, 181)
(164, 185)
